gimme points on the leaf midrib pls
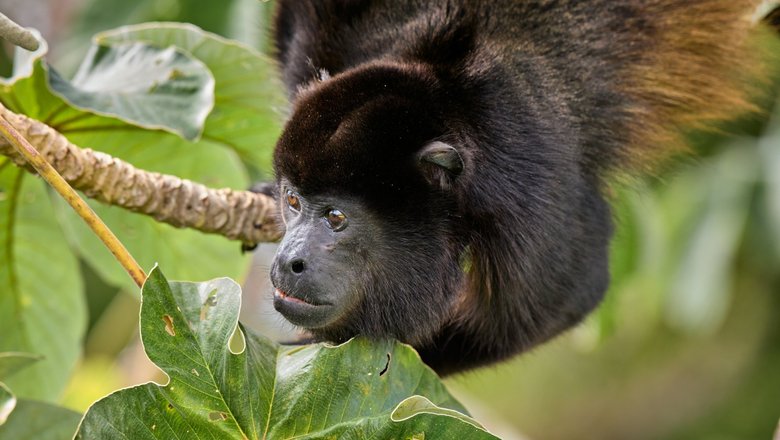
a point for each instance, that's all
(273, 395)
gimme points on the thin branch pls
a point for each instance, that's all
(50, 175)
(237, 215)
(17, 35)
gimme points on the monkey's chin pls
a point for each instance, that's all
(302, 313)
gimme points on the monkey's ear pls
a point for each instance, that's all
(440, 163)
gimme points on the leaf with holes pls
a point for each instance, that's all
(359, 389)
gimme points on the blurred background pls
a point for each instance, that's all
(686, 345)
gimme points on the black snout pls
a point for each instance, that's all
(289, 267)
(288, 271)
(297, 266)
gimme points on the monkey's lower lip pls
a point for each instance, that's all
(283, 296)
(300, 312)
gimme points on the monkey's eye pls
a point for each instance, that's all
(293, 201)
(336, 220)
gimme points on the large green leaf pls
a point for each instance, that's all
(33, 420)
(148, 86)
(355, 390)
(42, 309)
(133, 85)
(249, 97)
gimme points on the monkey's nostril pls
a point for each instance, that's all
(297, 266)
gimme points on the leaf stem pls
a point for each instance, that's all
(17, 35)
(50, 175)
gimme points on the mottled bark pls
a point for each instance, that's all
(237, 215)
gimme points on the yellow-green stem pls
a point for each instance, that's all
(50, 175)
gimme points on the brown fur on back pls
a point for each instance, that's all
(701, 68)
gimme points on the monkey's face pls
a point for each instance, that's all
(368, 176)
(324, 250)
(346, 267)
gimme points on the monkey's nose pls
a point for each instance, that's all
(297, 266)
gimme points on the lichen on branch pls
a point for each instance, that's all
(237, 215)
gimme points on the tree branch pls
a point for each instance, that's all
(237, 215)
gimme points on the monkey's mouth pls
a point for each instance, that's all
(281, 295)
(278, 294)
(301, 312)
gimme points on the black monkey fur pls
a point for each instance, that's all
(491, 248)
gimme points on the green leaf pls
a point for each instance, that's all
(247, 117)
(151, 87)
(267, 391)
(42, 307)
(12, 362)
(33, 420)
(128, 86)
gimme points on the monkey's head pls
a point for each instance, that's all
(418, 206)
(366, 175)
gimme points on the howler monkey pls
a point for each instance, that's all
(441, 175)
